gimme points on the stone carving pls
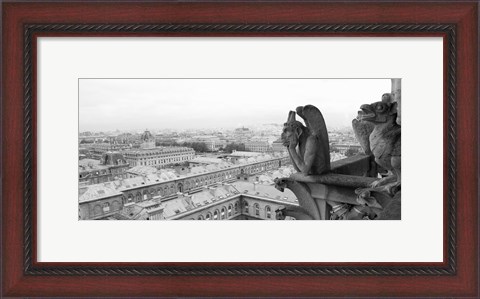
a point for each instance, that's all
(326, 193)
(308, 145)
(381, 205)
(345, 211)
(384, 140)
(298, 213)
(362, 130)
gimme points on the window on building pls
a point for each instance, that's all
(223, 212)
(215, 215)
(229, 210)
(246, 207)
(208, 217)
(257, 209)
(236, 207)
(268, 212)
(106, 207)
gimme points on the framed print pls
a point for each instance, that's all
(119, 118)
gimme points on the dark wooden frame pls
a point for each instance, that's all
(456, 276)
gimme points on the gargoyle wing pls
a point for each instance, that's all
(362, 130)
(313, 120)
(315, 123)
(394, 136)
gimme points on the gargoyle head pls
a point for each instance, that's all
(292, 130)
(379, 112)
(280, 213)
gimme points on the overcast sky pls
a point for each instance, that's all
(138, 104)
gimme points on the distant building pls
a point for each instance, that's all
(242, 135)
(147, 140)
(149, 155)
(213, 143)
(343, 147)
(159, 156)
(96, 150)
(112, 166)
(257, 146)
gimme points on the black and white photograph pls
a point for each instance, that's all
(239, 149)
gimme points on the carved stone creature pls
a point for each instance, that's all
(362, 130)
(344, 211)
(384, 140)
(308, 145)
(392, 208)
(379, 205)
(298, 213)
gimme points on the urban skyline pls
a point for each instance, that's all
(186, 104)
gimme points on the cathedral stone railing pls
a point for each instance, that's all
(337, 187)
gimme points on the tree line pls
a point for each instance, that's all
(201, 147)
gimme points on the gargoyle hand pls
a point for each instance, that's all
(280, 184)
(365, 198)
(293, 144)
(285, 142)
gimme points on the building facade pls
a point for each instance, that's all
(112, 166)
(96, 150)
(143, 188)
(236, 207)
(224, 202)
(260, 146)
(158, 156)
(213, 143)
(147, 154)
(343, 147)
(242, 135)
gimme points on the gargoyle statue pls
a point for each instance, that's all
(308, 145)
(384, 140)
